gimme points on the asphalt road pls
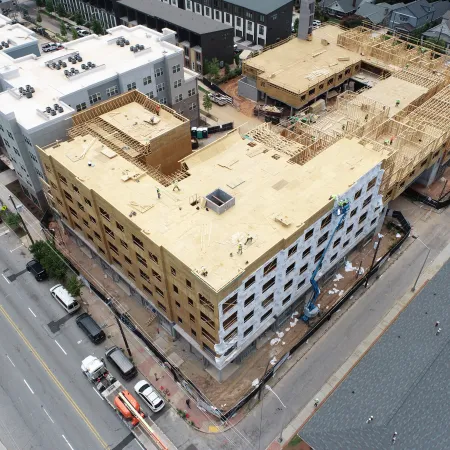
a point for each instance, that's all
(45, 401)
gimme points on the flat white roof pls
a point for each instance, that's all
(15, 35)
(51, 84)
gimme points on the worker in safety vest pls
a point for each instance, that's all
(340, 202)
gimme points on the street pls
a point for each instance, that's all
(45, 400)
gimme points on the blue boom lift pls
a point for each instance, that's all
(311, 309)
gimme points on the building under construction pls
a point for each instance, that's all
(222, 242)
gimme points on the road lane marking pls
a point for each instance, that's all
(54, 378)
(21, 245)
(68, 443)
(25, 381)
(48, 415)
(10, 361)
(57, 343)
(6, 279)
(32, 312)
(4, 232)
(95, 390)
(138, 443)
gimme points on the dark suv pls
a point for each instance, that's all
(91, 328)
(37, 270)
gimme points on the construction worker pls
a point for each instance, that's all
(397, 103)
(391, 140)
(386, 142)
(158, 192)
(340, 202)
(239, 252)
(175, 186)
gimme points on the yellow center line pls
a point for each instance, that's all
(55, 380)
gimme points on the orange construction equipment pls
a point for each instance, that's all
(126, 413)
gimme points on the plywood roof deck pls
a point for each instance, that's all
(299, 64)
(264, 188)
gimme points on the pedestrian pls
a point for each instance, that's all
(188, 403)
(437, 323)
(394, 438)
(175, 186)
(158, 192)
(156, 376)
(438, 332)
(157, 330)
(316, 403)
(239, 252)
(369, 419)
(395, 434)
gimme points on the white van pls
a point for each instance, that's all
(60, 294)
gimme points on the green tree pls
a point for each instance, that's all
(49, 6)
(207, 103)
(12, 220)
(296, 25)
(78, 18)
(74, 34)
(97, 27)
(60, 10)
(236, 60)
(63, 28)
(40, 3)
(212, 68)
(38, 18)
(227, 69)
(73, 286)
(50, 258)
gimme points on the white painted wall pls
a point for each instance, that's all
(373, 209)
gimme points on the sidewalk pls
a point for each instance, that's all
(328, 388)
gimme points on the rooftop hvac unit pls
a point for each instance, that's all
(29, 94)
(48, 109)
(52, 112)
(132, 48)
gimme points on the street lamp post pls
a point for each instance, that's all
(424, 262)
(280, 439)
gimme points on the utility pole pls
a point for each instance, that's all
(373, 260)
(21, 218)
(124, 337)
(424, 262)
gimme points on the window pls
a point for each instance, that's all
(318, 256)
(207, 11)
(353, 212)
(94, 98)
(97, 235)
(80, 107)
(180, 320)
(266, 315)
(109, 232)
(358, 194)
(128, 260)
(270, 267)
(268, 285)
(249, 14)
(249, 316)
(156, 275)
(248, 331)
(153, 257)
(350, 228)
(367, 201)
(88, 202)
(150, 94)
(322, 238)
(131, 275)
(336, 242)
(73, 212)
(28, 141)
(198, 8)
(373, 221)
(238, 22)
(86, 223)
(173, 271)
(176, 68)
(207, 320)
(113, 248)
(261, 29)
(362, 218)
(292, 250)
(190, 301)
(177, 83)
(159, 291)
(146, 289)
(92, 219)
(68, 196)
(178, 98)
(268, 301)
(160, 87)
(287, 299)
(229, 304)
(249, 300)
(191, 92)
(249, 282)
(346, 243)
(124, 244)
(309, 234)
(217, 14)
(142, 260)
(333, 257)
(131, 86)
(104, 214)
(163, 100)
(341, 225)
(325, 221)
(188, 284)
(192, 106)
(205, 302)
(288, 285)
(63, 179)
(101, 250)
(306, 252)
(230, 321)
(312, 91)
(359, 231)
(290, 268)
(113, 90)
(175, 289)
(301, 283)
(147, 80)
(138, 242)
(192, 318)
(160, 305)
(194, 333)
(188, 4)
(303, 269)
(159, 72)
(119, 226)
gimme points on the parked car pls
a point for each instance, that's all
(118, 359)
(82, 33)
(150, 395)
(316, 24)
(91, 328)
(35, 268)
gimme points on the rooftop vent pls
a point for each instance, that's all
(137, 48)
(5, 44)
(53, 111)
(26, 91)
(122, 42)
(219, 201)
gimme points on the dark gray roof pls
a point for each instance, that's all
(261, 6)
(403, 381)
(177, 16)
(346, 5)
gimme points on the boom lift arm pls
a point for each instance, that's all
(311, 309)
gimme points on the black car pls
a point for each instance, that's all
(37, 270)
(91, 328)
